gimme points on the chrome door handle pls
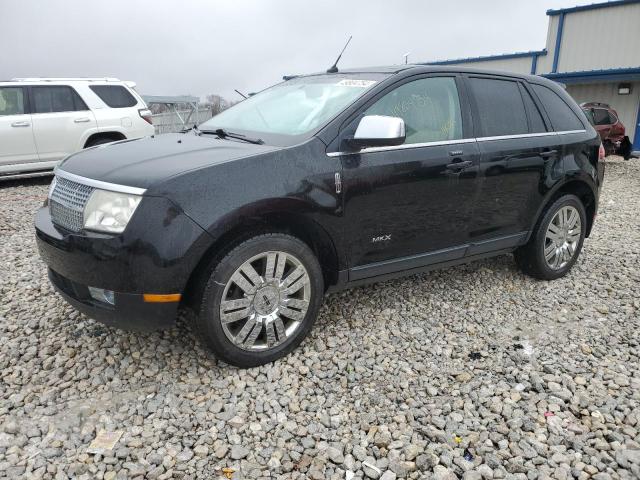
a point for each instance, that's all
(20, 124)
(82, 120)
(548, 153)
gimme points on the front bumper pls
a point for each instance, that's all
(155, 255)
(129, 312)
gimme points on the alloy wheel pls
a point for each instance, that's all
(265, 301)
(562, 237)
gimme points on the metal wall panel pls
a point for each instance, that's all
(625, 105)
(600, 39)
(545, 62)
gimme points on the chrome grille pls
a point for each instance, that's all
(66, 203)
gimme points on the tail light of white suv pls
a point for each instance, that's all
(145, 113)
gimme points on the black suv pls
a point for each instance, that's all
(319, 183)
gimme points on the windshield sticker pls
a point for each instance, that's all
(350, 82)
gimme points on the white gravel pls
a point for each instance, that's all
(473, 372)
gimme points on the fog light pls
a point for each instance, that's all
(101, 295)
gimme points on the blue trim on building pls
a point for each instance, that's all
(609, 75)
(593, 6)
(636, 137)
(556, 50)
(503, 56)
(534, 63)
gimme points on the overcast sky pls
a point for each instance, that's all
(213, 46)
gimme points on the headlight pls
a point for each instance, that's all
(109, 211)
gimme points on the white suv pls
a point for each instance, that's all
(42, 120)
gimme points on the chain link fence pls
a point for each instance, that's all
(172, 122)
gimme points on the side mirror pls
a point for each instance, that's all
(379, 131)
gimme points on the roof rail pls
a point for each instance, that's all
(65, 79)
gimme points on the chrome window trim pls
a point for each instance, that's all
(403, 147)
(112, 187)
(453, 142)
(569, 132)
(516, 136)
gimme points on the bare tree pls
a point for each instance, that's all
(216, 103)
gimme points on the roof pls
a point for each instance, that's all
(66, 79)
(414, 68)
(593, 6)
(484, 58)
(388, 69)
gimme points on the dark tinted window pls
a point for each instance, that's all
(56, 99)
(429, 107)
(116, 96)
(561, 115)
(11, 101)
(536, 124)
(601, 116)
(500, 107)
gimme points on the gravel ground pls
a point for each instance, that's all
(471, 372)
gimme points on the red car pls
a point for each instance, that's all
(606, 121)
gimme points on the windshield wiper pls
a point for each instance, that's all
(189, 129)
(222, 133)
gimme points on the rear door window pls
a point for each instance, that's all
(500, 107)
(115, 96)
(11, 101)
(56, 98)
(562, 116)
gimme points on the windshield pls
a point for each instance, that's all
(295, 107)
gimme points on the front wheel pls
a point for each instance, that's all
(261, 300)
(556, 242)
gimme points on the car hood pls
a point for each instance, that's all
(144, 162)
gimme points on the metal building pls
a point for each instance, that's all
(594, 50)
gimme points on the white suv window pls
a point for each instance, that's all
(56, 98)
(115, 96)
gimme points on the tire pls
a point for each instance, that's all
(609, 148)
(531, 257)
(99, 141)
(260, 300)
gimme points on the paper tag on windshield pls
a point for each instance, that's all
(350, 82)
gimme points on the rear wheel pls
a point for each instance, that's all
(556, 242)
(261, 300)
(99, 141)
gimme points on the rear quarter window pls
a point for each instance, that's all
(561, 115)
(115, 96)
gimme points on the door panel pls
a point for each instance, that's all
(515, 152)
(407, 202)
(60, 120)
(17, 144)
(413, 200)
(511, 172)
(59, 134)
